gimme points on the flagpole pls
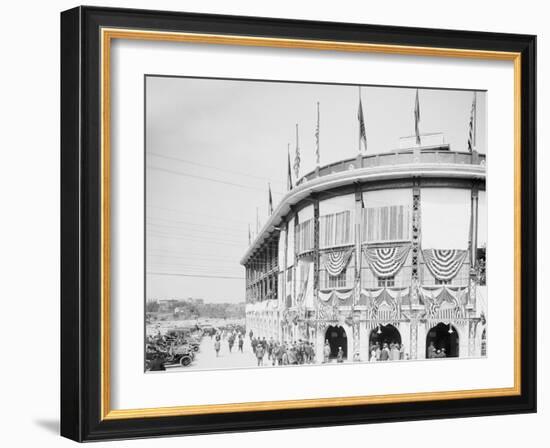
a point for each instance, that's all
(297, 156)
(475, 122)
(318, 136)
(359, 133)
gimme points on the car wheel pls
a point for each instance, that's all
(185, 361)
(196, 348)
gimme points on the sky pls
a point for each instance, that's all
(212, 147)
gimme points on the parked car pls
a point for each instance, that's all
(158, 358)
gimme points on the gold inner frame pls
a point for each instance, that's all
(107, 35)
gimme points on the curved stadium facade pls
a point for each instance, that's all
(380, 248)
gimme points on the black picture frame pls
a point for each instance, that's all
(81, 224)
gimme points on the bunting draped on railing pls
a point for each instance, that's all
(335, 262)
(377, 298)
(386, 261)
(434, 298)
(444, 264)
(326, 296)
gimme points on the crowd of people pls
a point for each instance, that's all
(270, 352)
(392, 351)
(434, 352)
(232, 336)
(278, 353)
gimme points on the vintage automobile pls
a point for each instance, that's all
(157, 356)
(184, 336)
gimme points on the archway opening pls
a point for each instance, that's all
(442, 341)
(336, 337)
(384, 334)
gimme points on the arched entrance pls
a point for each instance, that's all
(336, 337)
(384, 334)
(442, 341)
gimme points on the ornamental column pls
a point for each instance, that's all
(316, 263)
(472, 337)
(414, 338)
(416, 242)
(295, 249)
(473, 245)
(357, 279)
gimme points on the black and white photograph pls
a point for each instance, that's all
(291, 224)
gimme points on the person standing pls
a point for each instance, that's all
(394, 352)
(385, 353)
(326, 352)
(217, 346)
(340, 355)
(373, 354)
(241, 343)
(431, 350)
(260, 352)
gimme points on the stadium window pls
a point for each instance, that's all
(386, 282)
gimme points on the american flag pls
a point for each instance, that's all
(270, 199)
(417, 118)
(362, 132)
(472, 126)
(297, 156)
(289, 175)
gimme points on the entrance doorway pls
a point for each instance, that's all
(442, 342)
(336, 337)
(384, 334)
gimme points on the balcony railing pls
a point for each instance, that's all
(433, 154)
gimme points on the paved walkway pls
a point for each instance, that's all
(205, 358)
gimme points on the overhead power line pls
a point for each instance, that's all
(187, 212)
(179, 274)
(217, 231)
(203, 241)
(204, 165)
(208, 179)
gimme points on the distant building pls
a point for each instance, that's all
(167, 305)
(381, 248)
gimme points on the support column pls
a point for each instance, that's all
(473, 245)
(295, 249)
(357, 278)
(472, 338)
(316, 262)
(416, 242)
(413, 350)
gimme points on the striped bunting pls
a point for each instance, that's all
(444, 264)
(386, 261)
(336, 262)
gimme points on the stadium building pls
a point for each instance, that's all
(388, 247)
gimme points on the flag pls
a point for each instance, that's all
(472, 126)
(317, 132)
(417, 119)
(270, 199)
(297, 156)
(361, 118)
(289, 175)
